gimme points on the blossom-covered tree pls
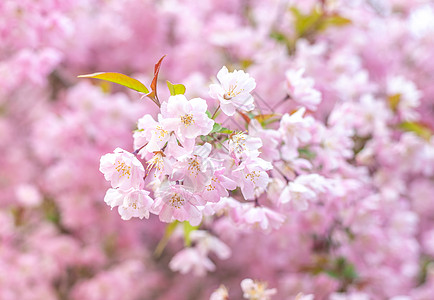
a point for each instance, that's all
(295, 160)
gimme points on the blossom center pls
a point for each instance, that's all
(194, 166)
(161, 133)
(156, 162)
(253, 176)
(211, 187)
(176, 200)
(187, 120)
(122, 169)
(232, 92)
(239, 141)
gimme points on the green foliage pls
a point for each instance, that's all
(217, 128)
(333, 21)
(176, 89)
(306, 153)
(132, 83)
(417, 128)
(394, 101)
(267, 119)
(170, 228)
(316, 21)
(187, 230)
(305, 23)
(342, 269)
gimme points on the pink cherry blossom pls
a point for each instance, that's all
(187, 118)
(294, 128)
(220, 294)
(256, 290)
(340, 129)
(234, 90)
(251, 175)
(150, 135)
(218, 186)
(264, 217)
(242, 145)
(131, 203)
(177, 202)
(297, 194)
(190, 259)
(300, 89)
(206, 243)
(122, 169)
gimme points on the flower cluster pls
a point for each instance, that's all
(190, 160)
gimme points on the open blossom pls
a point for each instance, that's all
(294, 128)
(196, 258)
(404, 97)
(122, 169)
(301, 296)
(220, 294)
(191, 260)
(206, 243)
(187, 118)
(218, 186)
(150, 135)
(269, 138)
(159, 164)
(251, 175)
(301, 89)
(262, 216)
(177, 202)
(131, 203)
(194, 169)
(256, 290)
(242, 145)
(233, 92)
(298, 194)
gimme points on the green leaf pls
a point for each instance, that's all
(278, 36)
(342, 269)
(316, 21)
(206, 138)
(175, 89)
(306, 153)
(245, 63)
(417, 128)
(188, 228)
(333, 21)
(119, 78)
(226, 130)
(305, 23)
(170, 228)
(267, 119)
(217, 128)
(394, 101)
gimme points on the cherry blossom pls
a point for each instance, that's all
(187, 118)
(255, 290)
(301, 90)
(289, 169)
(251, 175)
(122, 169)
(178, 202)
(234, 90)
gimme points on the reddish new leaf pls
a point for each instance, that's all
(153, 93)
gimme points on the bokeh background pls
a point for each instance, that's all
(59, 240)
